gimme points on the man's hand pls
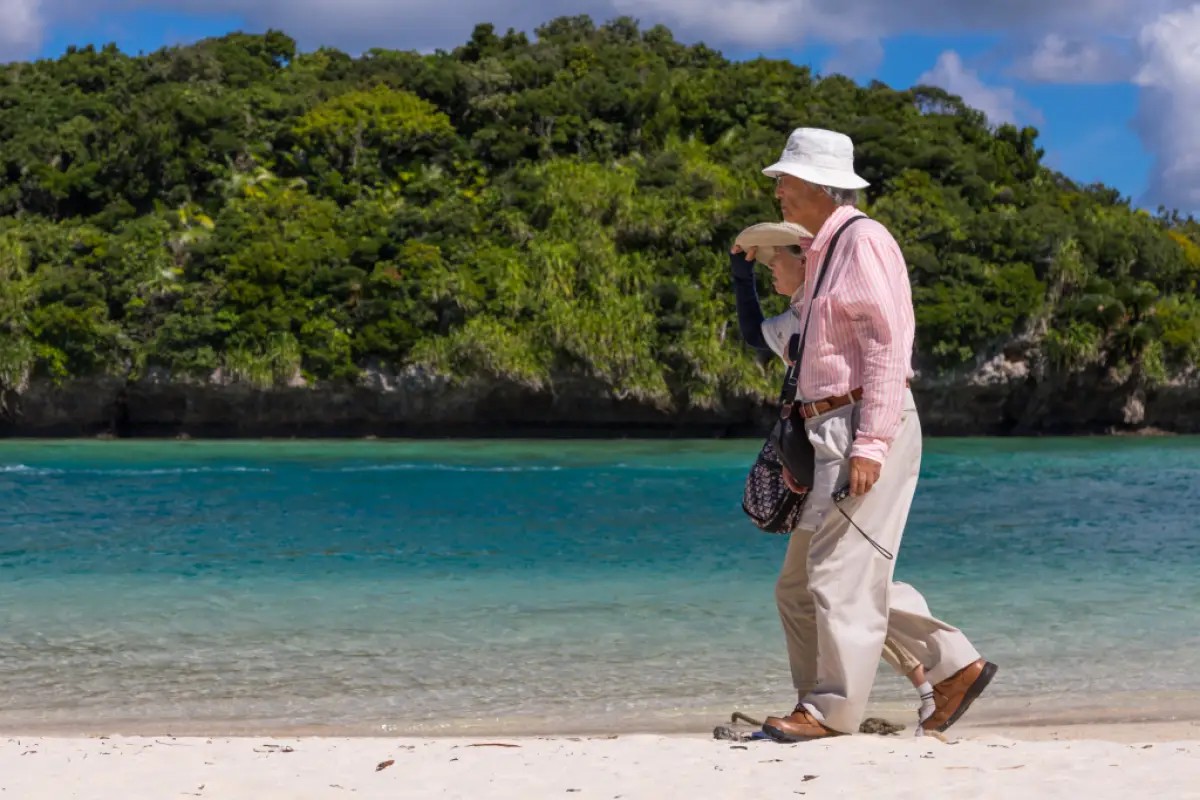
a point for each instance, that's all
(791, 482)
(863, 474)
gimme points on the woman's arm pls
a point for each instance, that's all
(745, 294)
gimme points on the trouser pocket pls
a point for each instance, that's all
(832, 436)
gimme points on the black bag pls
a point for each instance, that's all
(767, 499)
(788, 436)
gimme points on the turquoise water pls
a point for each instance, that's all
(552, 586)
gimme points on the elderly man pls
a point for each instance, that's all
(835, 593)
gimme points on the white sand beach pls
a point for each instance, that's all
(1159, 760)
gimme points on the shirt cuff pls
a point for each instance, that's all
(870, 447)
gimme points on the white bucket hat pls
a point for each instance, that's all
(818, 156)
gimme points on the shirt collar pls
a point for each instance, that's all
(797, 299)
(840, 215)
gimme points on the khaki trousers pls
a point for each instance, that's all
(898, 657)
(799, 624)
(837, 600)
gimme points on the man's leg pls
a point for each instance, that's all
(958, 676)
(796, 613)
(851, 586)
(847, 578)
(952, 663)
(797, 616)
(899, 658)
(931, 640)
(849, 582)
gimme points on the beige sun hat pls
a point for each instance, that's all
(768, 236)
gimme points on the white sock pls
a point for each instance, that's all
(927, 705)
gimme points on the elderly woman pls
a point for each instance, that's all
(771, 335)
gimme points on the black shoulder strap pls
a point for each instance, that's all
(795, 346)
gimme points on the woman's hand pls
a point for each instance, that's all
(737, 248)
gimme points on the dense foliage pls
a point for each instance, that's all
(521, 209)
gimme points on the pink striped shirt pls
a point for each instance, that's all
(861, 330)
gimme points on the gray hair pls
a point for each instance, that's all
(843, 197)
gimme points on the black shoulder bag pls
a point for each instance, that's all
(767, 499)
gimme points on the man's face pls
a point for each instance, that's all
(795, 197)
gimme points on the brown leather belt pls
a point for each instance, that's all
(819, 407)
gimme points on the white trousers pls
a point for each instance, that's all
(837, 600)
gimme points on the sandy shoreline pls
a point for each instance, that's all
(1019, 715)
(1096, 761)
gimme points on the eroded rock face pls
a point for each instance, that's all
(1134, 410)
(1006, 395)
(1002, 370)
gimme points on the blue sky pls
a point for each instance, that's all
(1066, 75)
(1085, 129)
(138, 31)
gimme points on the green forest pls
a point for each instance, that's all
(523, 208)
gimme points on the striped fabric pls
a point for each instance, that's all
(861, 330)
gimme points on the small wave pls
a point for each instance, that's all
(436, 467)
(24, 469)
(449, 468)
(675, 467)
(177, 471)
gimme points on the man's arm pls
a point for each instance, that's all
(877, 297)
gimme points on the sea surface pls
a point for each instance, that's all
(527, 587)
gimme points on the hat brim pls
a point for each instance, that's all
(835, 178)
(767, 237)
(774, 234)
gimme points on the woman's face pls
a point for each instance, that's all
(787, 269)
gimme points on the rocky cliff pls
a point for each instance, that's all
(1003, 396)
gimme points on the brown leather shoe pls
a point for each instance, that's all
(953, 696)
(799, 726)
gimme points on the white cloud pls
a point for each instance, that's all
(763, 23)
(357, 25)
(20, 28)
(999, 103)
(1168, 118)
(1060, 60)
(422, 24)
(769, 24)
